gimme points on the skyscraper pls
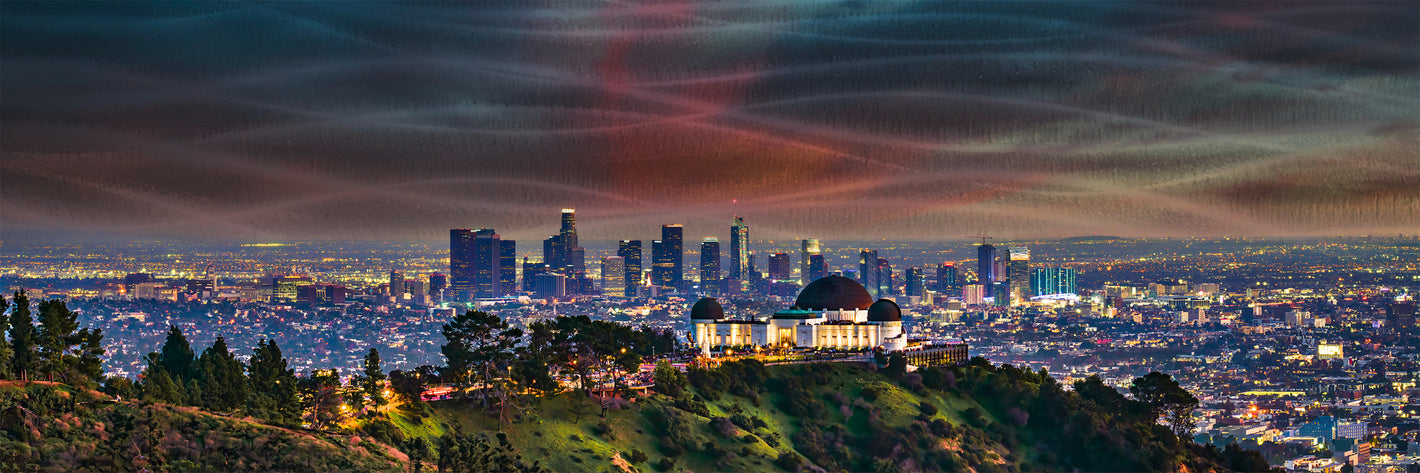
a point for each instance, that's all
(614, 276)
(461, 263)
(709, 264)
(437, 284)
(508, 267)
(868, 270)
(778, 266)
(673, 237)
(568, 233)
(630, 250)
(396, 284)
(808, 248)
(886, 284)
(552, 252)
(986, 264)
(530, 272)
(487, 257)
(914, 281)
(1051, 281)
(947, 278)
(661, 265)
(739, 250)
(817, 268)
(1019, 273)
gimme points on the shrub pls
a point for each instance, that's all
(790, 461)
(636, 456)
(666, 464)
(927, 408)
(603, 430)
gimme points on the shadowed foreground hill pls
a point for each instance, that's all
(741, 416)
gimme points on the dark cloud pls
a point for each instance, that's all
(838, 119)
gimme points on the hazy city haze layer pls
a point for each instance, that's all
(900, 120)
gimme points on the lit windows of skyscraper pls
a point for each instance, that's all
(779, 266)
(809, 248)
(673, 238)
(739, 250)
(986, 264)
(630, 250)
(461, 263)
(868, 271)
(530, 272)
(914, 281)
(550, 285)
(508, 267)
(709, 264)
(487, 257)
(614, 276)
(1019, 272)
(817, 268)
(396, 285)
(1051, 281)
(886, 286)
(947, 278)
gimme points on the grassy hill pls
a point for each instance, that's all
(740, 417)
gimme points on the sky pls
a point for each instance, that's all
(838, 120)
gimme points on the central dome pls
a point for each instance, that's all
(833, 293)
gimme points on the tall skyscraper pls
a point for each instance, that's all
(661, 265)
(461, 264)
(1019, 273)
(614, 276)
(779, 266)
(630, 250)
(868, 270)
(530, 272)
(914, 281)
(986, 264)
(808, 248)
(437, 284)
(947, 278)
(886, 284)
(1051, 281)
(552, 252)
(568, 233)
(817, 268)
(487, 258)
(396, 284)
(709, 264)
(673, 238)
(508, 267)
(739, 250)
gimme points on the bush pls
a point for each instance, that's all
(603, 430)
(636, 456)
(666, 464)
(790, 461)
(927, 408)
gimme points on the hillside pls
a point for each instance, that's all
(53, 427)
(739, 417)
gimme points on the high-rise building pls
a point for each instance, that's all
(630, 250)
(1002, 291)
(661, 265)
(396, 284)
(437, 284)
(947, 278)
(817, 268)
(550, 285)
(552, 252)
(886, 286)
(868, 271)
(739, 250)
(487, 259)
(461, 263)
(568, 233)
(914, 281)
(508, 267)
(1019, 272)
(671, 258)
(1050, 281)
(808, 248)
(973, 294)
(985, 264)
(614, 276)
(778, 266)
(709, 264)
(530, 272)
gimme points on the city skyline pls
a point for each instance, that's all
(899, 121)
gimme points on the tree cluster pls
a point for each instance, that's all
(56, 350)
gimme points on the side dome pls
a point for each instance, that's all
(707, 309)
(833, 293)
(884, 311)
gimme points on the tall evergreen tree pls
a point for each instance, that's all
(177, 356)
(5, 352)
(56, 336)
(223, 382)
(274, 389)
(374, 379)
(22, 337)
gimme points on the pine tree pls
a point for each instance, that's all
(22, 337)
(56, 333)
(374, 379)
(5, 352)
(177, 357)
(224, 384)
(274, 389)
